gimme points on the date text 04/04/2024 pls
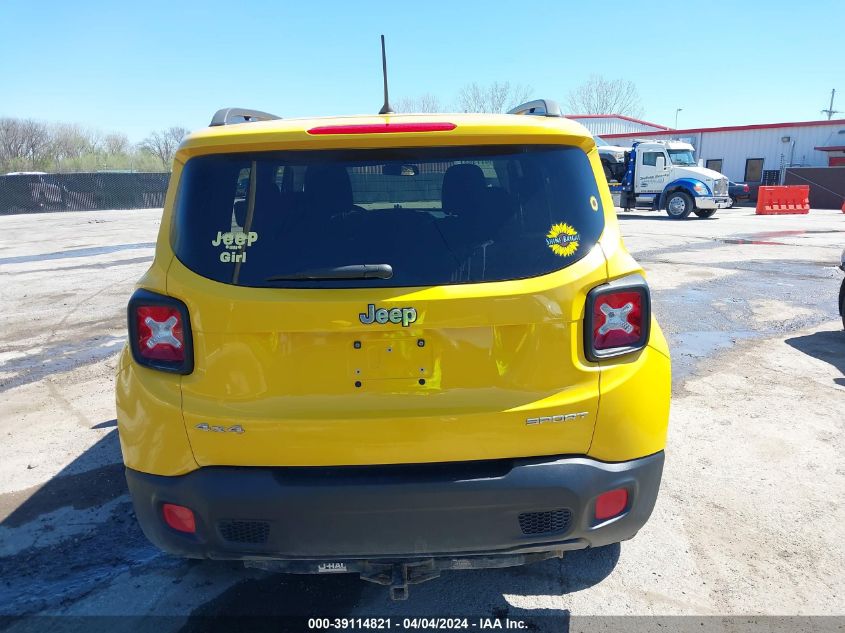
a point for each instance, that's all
(418, 623)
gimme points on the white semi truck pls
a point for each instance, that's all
(657, 174)
(664, 175)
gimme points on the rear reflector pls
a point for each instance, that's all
(382, 128)
(611, 504)
(179, 518)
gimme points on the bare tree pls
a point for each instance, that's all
(163, 144)
(11, 143)
(115, 144)
(27, 145)
(493, 98)
(605, 96)
(422, 103)
(37, 142)
(24, 144)
(70, 141)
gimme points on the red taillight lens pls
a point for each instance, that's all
(160, 333)
(617, 320)
(611, 503)
(382, 128)
(179, 518)
(746, 189)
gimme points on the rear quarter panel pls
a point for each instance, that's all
(635, 390)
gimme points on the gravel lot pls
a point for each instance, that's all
(749, 520)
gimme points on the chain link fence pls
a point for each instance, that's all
(36, 192)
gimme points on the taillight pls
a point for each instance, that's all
(160, 332)
(618, 318)
(746, 189)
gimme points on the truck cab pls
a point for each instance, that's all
(665, 175)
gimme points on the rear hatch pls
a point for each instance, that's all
(387, 305)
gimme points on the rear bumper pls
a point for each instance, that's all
(502, 507)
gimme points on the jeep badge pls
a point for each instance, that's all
(405, 316)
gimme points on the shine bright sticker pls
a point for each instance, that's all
(563, 239)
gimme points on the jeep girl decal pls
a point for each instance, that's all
(234, 241)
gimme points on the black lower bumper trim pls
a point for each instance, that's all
(415, 512)
(399, 574)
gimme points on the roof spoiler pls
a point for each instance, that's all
(231, 116)
(539, 107)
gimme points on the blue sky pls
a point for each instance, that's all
(139, 66)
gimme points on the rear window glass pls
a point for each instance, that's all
(386, 217)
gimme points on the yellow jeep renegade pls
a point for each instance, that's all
(391, 345)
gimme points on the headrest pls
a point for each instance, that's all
(463, 187)
(327, 189)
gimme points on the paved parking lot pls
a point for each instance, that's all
(749, 520)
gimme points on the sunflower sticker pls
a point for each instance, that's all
(563, 239)
(594, 203)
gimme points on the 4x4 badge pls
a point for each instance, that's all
(405, 316)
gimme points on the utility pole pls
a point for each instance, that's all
(676, 117)
(830, 111)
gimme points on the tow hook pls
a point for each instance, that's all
(397, 576)
(399, 583)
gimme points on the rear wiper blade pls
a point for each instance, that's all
(358, 271)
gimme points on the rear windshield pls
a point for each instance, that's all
(386, 217)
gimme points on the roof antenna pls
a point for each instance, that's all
(385, 109)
